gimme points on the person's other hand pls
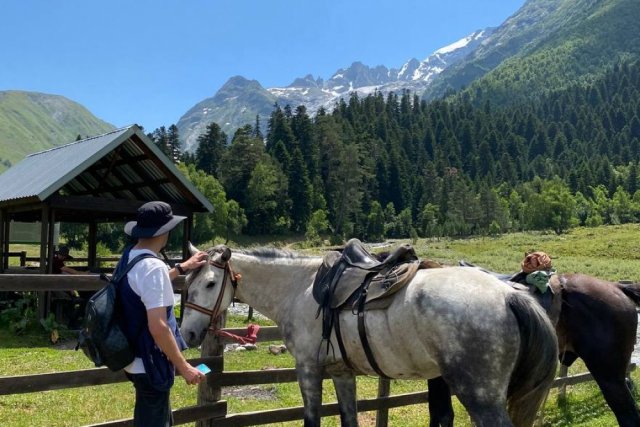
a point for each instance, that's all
(191, 375)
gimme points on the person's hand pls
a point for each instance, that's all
(196, 261)
(191, 375)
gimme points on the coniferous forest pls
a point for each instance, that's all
(389, 166)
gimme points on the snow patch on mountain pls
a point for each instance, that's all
(240, 100)
(460, 43)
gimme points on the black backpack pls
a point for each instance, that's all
(101, 338)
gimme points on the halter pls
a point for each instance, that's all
(213, 313)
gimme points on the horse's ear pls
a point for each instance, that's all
(192, 249)
(226, 254)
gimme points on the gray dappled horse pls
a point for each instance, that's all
(495, 347)
(597, 322)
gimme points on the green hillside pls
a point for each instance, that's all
(577, 51)
(548, 45)
(31, 122)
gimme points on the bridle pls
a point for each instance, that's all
(214, 312)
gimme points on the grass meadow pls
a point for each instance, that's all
(607, 252)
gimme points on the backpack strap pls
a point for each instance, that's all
(117, 277)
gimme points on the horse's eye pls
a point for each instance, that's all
(211, 285)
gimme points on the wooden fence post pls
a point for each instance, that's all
(562, 392)
(382, 415)
(208, 392)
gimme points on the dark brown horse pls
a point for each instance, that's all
(597, 323)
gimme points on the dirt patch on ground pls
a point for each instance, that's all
(367, 419)
(251, 392)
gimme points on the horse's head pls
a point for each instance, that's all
(209, 291)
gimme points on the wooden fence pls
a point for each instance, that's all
(23, 258)
(211, 409)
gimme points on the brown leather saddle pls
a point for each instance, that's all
(355, 271)
(356, 279)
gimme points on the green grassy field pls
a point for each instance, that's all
(606, 252)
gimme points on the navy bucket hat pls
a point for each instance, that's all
(153, 219)
(64, 251)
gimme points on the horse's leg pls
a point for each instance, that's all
(310, 382)
(480, 384)
(440, 408)
(620, 400)
(345, 384)
(473, 386)
(612, 383)
(606, 355)
(484, 413)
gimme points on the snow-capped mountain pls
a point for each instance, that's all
(239, 101)
(426, 70)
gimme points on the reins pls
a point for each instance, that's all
(214, 312)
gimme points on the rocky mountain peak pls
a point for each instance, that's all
(240, 99)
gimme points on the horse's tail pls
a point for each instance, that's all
(536, 366)
(631, 290)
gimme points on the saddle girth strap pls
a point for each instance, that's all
(362, 328)
(325, 307)
(343, 350)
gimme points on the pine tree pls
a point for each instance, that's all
(279, 130)
(343, 187)
(159, 137)
(282, 155)
(257, 131)
(238, 162)
(302, 128)
(211, 148)
(267, 204)
(173, 144)
(300, 192)
(375, 223)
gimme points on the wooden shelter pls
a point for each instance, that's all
(95, 180)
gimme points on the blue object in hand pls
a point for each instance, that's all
(203, 368)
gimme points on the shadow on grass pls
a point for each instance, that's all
(571, 411)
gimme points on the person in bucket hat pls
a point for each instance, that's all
(146, 300)
(59, 257)
(72, 302)
(153, 219)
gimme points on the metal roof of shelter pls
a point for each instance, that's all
(104, 178)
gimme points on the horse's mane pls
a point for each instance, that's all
(266, 252)
(262, 252)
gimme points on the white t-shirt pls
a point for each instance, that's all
(150, 280)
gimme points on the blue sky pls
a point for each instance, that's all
(149, 61)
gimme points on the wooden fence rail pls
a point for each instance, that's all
(59, 282)
(23, 258)
(209, 412)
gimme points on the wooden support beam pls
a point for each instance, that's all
(92, 254)
(44, 229)
(4, 238)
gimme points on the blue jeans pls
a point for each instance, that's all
(152, 406)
